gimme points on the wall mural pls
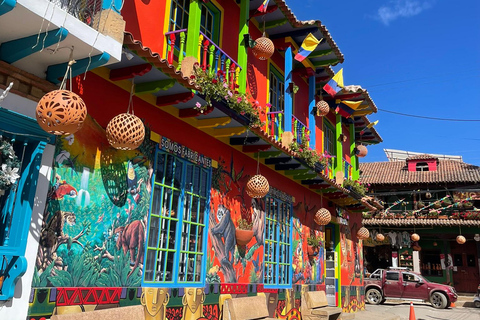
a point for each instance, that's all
(352, 291)
(94, 223)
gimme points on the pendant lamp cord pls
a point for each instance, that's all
(258, 162)
(68, 72)
(132, 93)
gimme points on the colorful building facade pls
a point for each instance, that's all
(171, 224)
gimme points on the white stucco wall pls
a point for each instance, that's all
(17, 308)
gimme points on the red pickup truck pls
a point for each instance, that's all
(404, 284)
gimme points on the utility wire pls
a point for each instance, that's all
(429, 118)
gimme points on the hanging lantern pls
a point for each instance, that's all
(461, 239)
(322, 217)
(263, 48)
(322, 108)
(363, 233)
(361, 151)
(257, 186)
(61, 112)
(125, 132)
(428, 195)
(380, 237)
(415, 237)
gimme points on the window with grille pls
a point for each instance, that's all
(277, 88)
(278, 243)
(179, 15)
(177, 229)
(328, 138)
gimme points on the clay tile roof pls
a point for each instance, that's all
(422, 157)
(421, 222)
(282, 5)
(395, 172)
(155, 59)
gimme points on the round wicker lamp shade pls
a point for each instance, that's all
(125, 132)
(322, 108)
(322, 217)
(361, 151)
(263, 48)
(461, 239)
(380, 237)
(61, 112)
(363, 233)
(415, 237)
(257, 186)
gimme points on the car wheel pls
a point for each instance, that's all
(477, 304)
(438, 300)
(374, 296)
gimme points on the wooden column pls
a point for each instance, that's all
(242, 46)
(353, 157)
(311, 114)
(288, 95)
(194, 21)
(338, 141)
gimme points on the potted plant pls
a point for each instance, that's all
(419, 204)
(468, 205)
(446, 202)
(410, 215)
(244, 232)
(312, 245)
(437, 205)
(9, 166)
(432, 214)
(366, 215)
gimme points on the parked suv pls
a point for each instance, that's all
(403, 284)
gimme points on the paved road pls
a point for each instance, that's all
(424, 311)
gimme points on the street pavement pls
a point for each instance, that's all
(423, 311)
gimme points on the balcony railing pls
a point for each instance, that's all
(274, 124)
(329, 169)
(210, 56)
(300, 132)
(83, 10)
(347, 169)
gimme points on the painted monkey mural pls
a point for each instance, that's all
(94, 223)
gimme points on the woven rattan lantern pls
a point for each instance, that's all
(415, 237)
(380, 237)
(363, 233)
(257, 186)
(322, 217)
(263, 48)
(322, 108)
(361, 151)
(461, 239)
(125, 132)
(61, 112)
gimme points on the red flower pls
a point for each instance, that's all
(192, 76)
(214, 81)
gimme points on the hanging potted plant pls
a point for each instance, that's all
(9, 166)
(312, 246)
(244, 232)
(446, 202)
(468, 205)
(410, 215)
(419, 204)
(437, 205)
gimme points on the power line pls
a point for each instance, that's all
(429, 118)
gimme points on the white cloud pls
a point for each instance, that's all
(402, 9)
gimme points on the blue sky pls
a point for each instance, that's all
(418, 57)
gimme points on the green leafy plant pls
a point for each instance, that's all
(215, 88)
(366, 215)
(311, 157)
(446, 202)
(243, 224)
(356, 186)
(313, 241)
(9, 165)
(420, 204)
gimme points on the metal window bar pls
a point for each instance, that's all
(83, 10)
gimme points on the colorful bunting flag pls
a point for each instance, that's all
(263, 6)
(335, 84)
(308, 45)
(347, 108)
(369, 126)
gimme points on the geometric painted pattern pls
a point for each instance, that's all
(85, 296)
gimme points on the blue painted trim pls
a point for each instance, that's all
(16, 269)
(14, 122)
(288, 95)
(311, 114)
(291, 245)
(7, 5)
(57, 71)
(115, 5)
(15, 50)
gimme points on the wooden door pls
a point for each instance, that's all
(465, 259)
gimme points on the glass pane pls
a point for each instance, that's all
(160, 274)
(157, 199)
(160, 168)
(169, 170)
(169, 266)
(178, 174)
(199, 239)
(201, 212)
(192, 238)
(172, 233)
(150, 265)
(153, 233)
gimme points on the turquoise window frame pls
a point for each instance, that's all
(278, 248)
(179, 214)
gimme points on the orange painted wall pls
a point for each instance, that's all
(146, 21)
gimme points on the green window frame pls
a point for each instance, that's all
(179, 15)
(210, 21)
(278, 243)
(328, 138)
(277, 90)
(175, 253)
